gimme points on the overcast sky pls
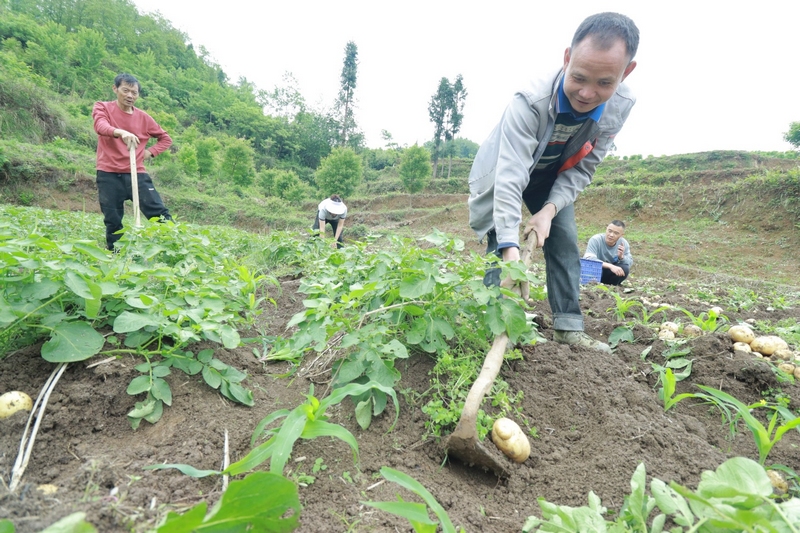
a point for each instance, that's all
(711, 75)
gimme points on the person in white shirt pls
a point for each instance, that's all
(331, 211)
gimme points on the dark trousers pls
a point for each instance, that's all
(113, 189)
(561, 257)
(334, 224)
(609, 278)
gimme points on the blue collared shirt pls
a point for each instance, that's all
(563, 106)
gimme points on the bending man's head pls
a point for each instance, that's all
(599, 59)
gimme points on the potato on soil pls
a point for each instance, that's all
(789, 368)
(669, 326)
(741, 334)
(779, 485)
(741, 347)
(510, 439)
(797, 372)
(783, 354)
(690, 330)
(768, 344)
(666, 335)
(717, 310)
(14, 401)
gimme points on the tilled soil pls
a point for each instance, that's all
(597, 416)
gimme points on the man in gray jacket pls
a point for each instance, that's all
(544, 152)
(614, 251)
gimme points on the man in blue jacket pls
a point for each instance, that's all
(544, 152)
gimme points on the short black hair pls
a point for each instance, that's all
(606, 28)
(127, 78)
(618, 223)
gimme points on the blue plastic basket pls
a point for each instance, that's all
(591, 270)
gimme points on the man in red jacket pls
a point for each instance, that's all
(121, 126)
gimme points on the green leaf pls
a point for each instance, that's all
(138, 385)
(254, 458)
(620, 334)
(158, 410)
(161, 391)
(240, 394)
(6, 526)
(414, 310)
(738, 476)
(71, 342)
(409, 483)
(185, 469)
(160, 371)
(186, 523)
(211, 377)
(416, 285)
(364, 413)
(74, 523)
(287, 435)
(262, 501)
(267, 420)
(230, 337)
(415, 513)
(78, 285)
(321, 428)
(94, 252)
(127, 322)
(204, 356)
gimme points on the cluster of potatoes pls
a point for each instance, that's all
(670, 330)
(766, 346)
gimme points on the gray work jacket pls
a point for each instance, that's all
(504, 162)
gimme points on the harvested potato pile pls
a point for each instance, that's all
(766, 346)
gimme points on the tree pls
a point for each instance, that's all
(456, 116)
(437, 111)
(793, 135)
(446, 111)
(237, 163)
(339, 173)
(346, 100)
(415, 168)
(187, 155)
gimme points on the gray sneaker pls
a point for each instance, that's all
(579, 338)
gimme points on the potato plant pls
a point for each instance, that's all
(737, 496)
(171, 286)
(375, 306)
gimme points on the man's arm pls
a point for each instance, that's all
(518, 142)
(163, 140)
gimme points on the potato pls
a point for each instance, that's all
(741, 347)
(787, 367)
(797, 372)
(741, 334)
(779, 485)
(666, 335)
(510, 439)
(768, 344)
(783, 354)
(717, 310)
(669, 326)
(14, 401)
(690, 330)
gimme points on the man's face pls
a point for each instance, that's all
(126, 95)
(591, 75)
(613, 233)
